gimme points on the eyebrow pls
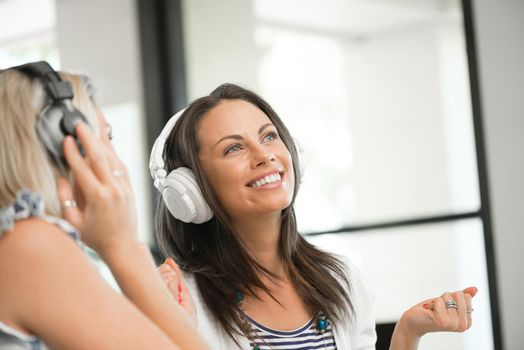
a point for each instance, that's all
(238, 137)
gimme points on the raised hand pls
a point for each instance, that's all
(451, 312)
(172, 277)
(105, 214)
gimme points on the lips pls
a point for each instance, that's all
(266, 178)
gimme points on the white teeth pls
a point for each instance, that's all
(266, 180)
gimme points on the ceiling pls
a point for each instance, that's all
(351, 17)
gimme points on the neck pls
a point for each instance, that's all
(261, 236)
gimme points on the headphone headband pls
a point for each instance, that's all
(55, 87)
(156, 161)
(58, 117)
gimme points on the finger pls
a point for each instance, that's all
(469, 309)
(82, 173)
(166, 268)
(439, 307)
(165, 277)
(120, 173)
(116, 165)
(451, 311)
(183, 290)
(179, 277)
(169, 274)
(109, 146)
(443, 321)
(171, 282)
(428, 304)
(186, 295)
(461, 311)
(471, 291)
(172, 287)
(95, 153)
(65, 193)
(174, 265)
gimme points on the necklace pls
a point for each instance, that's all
(321, 325)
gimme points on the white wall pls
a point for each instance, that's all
(500, 46)
(218, 50)
(101, 39)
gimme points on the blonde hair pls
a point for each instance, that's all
(24, 162)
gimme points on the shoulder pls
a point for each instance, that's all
(359, 285)
(31, 241)
(207, 326)
(32, 248)
(359, 331)
(32, 256)
(205, 321)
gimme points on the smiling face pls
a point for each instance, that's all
(244, 159)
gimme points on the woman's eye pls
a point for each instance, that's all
(271, 136)
(234, 148)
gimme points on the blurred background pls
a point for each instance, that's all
(409, 113)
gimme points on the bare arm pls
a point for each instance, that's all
(153, 297)
(49, 288)
(107, 222)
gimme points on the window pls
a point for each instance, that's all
(27, 35)
(378, 94)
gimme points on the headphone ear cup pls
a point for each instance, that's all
(50, 132)
(68, 124)
(184, 198)
(70, 120)
(54, 123)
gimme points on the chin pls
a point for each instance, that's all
(276, 206)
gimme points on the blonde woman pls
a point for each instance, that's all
(50, 294)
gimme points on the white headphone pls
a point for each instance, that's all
(179, 189)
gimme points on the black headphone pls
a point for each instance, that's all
(59, 117)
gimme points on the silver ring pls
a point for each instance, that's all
(69, 203)
(470, 310)
(451, 304)
(118, 173)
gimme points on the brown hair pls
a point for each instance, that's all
(213, 251)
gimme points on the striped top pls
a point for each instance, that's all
(307, 337)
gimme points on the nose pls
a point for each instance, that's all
(262, 157)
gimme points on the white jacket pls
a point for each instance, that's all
(359, 334)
